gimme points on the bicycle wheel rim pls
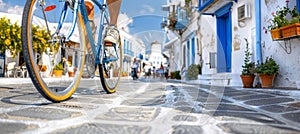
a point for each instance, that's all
(53, 89)
(110, 72)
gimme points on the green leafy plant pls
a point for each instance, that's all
(199, 68)
(248, 67)
(279, 18)
(193, 72)
(269, 67)
(59, 66)
(172, 20)
(177, 75)
(295, 16)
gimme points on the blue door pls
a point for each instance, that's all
(224, 43)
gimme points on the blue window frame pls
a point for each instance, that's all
(204, 3)
(298, 5)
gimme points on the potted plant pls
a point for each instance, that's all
(70, 69)
(279, 20)
(193, 72)
(177, 75)
(247, 75)
(283, 28)
(293, 27)
(267, 71)
(58, 70)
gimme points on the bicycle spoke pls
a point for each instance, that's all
(49, 50)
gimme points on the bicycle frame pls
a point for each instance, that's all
(79, 4)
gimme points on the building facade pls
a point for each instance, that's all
(132, 48)
(215, 38)
(156, 58)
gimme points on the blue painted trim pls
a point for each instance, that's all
(190, 35)
(258, 30)
(188, 52)
(201, 7)
(298, 5)
(229, 44)
(224, 10)
(193, 50)
(212, 14)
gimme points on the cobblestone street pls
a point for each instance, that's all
(149, 106)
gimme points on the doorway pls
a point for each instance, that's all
(224, 43)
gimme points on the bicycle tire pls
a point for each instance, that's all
(110, 82)
(54, 89)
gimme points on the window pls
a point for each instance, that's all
(128, 45)
(125, 44)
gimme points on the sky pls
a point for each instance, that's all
(142, 18)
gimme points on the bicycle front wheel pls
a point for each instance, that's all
(45, 49)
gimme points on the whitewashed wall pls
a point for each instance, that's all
(208, 38)
(208, 41)
(289, 76)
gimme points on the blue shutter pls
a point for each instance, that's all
(193, 50)
(188, 52)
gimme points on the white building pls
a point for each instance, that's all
(182, 42)
(218, 31)
(156, 59)
(132, 48)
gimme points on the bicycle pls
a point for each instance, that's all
(49, 38)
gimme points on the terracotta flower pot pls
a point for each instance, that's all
(247, 81)
(44, 68)
(266, 80)
(71, 74)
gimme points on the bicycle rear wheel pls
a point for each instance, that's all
(41, 47)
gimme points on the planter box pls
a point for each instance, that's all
(291, 30)
(276, 34)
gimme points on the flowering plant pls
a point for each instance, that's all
(279, 18)
(10, 36)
